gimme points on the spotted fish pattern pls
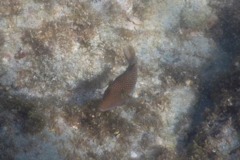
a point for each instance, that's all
(120, 89)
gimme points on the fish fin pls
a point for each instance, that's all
(124, 95)
(129, 53)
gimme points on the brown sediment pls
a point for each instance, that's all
(120, 89)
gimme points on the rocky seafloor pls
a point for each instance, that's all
(58, 56)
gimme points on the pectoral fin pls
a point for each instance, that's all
(125, 95)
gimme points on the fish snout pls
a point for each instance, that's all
(104, 107)
(109, 104)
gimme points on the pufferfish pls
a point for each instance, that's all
(121, 88)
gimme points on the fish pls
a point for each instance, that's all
(119, 91)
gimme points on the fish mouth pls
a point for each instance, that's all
(103, 109)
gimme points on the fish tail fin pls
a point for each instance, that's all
(130, 55)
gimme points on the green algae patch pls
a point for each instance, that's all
(26, 113)
(10, 8)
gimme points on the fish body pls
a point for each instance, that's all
(121, 88)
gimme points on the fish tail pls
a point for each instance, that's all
(130, 55)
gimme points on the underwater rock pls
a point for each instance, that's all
(57, 57)
(217, 137)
